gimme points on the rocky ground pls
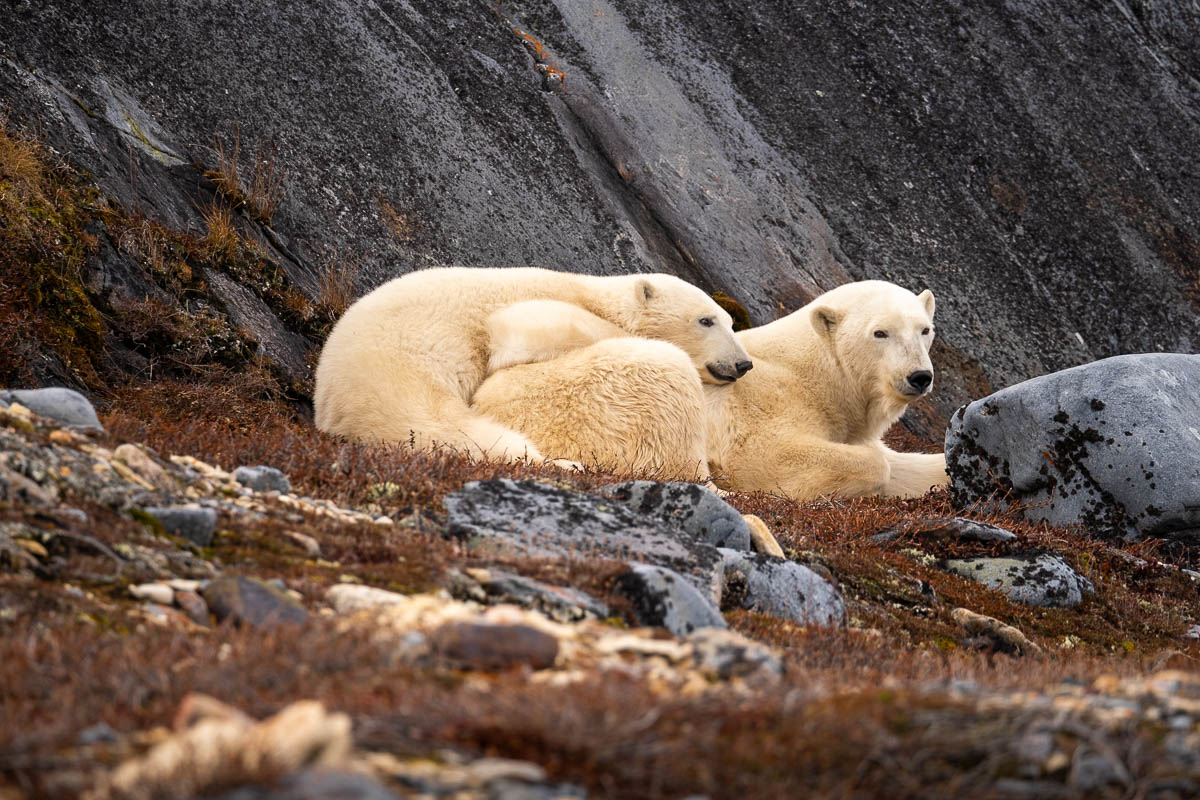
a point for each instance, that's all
(192, 610)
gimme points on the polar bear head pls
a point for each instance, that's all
(670, 309)
(880, 335)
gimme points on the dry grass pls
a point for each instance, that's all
(261, 197)
(266, 185)
(221, 238)
(336, 280)
(21, 161)
(227, 173)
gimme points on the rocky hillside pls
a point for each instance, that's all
(202, 596)
(1034, 166)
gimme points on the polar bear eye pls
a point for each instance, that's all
(925, 331)
(707, 322)
(880, 334)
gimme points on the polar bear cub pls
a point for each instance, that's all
(403, 361)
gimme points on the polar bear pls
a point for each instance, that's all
(403, 362)
(828, 381)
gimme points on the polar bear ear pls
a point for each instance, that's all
(926, 297)
(644, 290)
(825, 319)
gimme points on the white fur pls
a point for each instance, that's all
(805, 422)
(403, 362)
(810, 418)
(628, 405)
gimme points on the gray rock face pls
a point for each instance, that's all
(66, 406)
(687, 141)
(780, 588)
(263, 479)
(1114, 445)
(541, 520)
(1035, 580)
(191, 522)
(687, 505)
(662, 597)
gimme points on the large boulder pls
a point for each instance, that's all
(1114, 445)
(537, 519)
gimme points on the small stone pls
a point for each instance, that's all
(346, 598)
(141, 463)
(479, 646)
(1192, 632)
(249, 601)
(154, 592)
(192, 522)
(263, 479)
(193, 605)
(305, 542)
(488, 770)
(61, 436)
(662, 597)
(32, 547)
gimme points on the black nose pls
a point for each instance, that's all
(743, 367)
(920, 380)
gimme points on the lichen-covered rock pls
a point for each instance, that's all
(1114, 445)
(689, 506)
(664, 598)
(780, 588)
(947, 529)
(65, 406)
(559, 603)
(1035, 579)
(537, 519)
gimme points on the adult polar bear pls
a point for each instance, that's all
(403, 361)
(828, 381)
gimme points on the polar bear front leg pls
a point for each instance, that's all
(808, 468)
(913, 474)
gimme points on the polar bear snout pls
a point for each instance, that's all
(725, 373)
(919, 381)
